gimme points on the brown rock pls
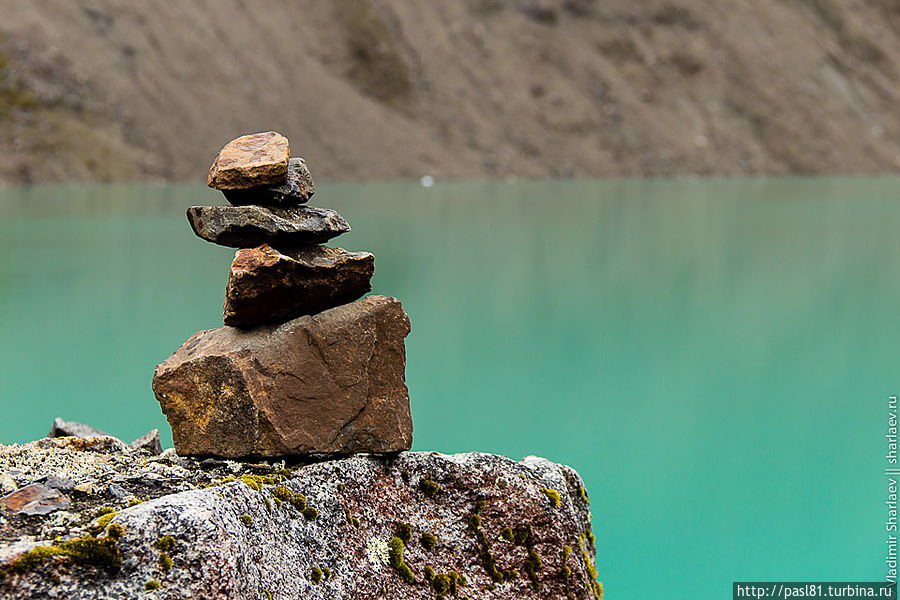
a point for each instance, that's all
(34, 499)
(329, 383)
(250, 161)
(246, 226)
(297, 189)
(270, 286)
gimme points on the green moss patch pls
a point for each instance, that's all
(101, 553)
(395, 558)
(591, 569)
(487, 559)
(532, 565)
(428, 487)
(350, 518)
(404, 532)
(522, 536)
(105, 516)
(552, 495)
(295, 499)
(115, 531)
(257, 481)
(165, 562)
(428, 540)
(165, 543)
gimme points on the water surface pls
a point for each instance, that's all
(713, 356)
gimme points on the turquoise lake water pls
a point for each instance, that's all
(714, 357)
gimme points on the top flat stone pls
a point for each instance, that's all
(255, 160)
(297, 189)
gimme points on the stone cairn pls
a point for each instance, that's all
(304, 364)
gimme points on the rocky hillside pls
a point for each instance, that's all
(110, 89)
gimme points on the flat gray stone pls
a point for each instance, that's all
(63, 428)
(250, 226)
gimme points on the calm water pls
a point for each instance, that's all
(714, 357)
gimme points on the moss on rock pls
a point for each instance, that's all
(102, 553)
(102, 521)
(165, 543)
(552, 495)
(428, 540)
(395, 558)
(404, 532)
(428, 487)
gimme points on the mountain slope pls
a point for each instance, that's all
(111, 89)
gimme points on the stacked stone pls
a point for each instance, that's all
(303, 366)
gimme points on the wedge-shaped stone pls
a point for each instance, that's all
(328, 383)
(297, 189)
(247, 226)
(266, 285)
(250, 161)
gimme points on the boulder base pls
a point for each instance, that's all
(249, 161)
(473, 525)
(268, 286)
(331, 383)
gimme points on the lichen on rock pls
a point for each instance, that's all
(191, 541)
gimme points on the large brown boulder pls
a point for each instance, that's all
(250, 161)
(332, 383)
(247, 226)
(270, 286)
(297, 189)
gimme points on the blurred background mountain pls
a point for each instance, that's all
(382, 89)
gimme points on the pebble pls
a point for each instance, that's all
(86, 488)
(7, 484)
(118, 491)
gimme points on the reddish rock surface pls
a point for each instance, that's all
(268, 286)
(329, 383)
(34, 499)
(250, 161)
